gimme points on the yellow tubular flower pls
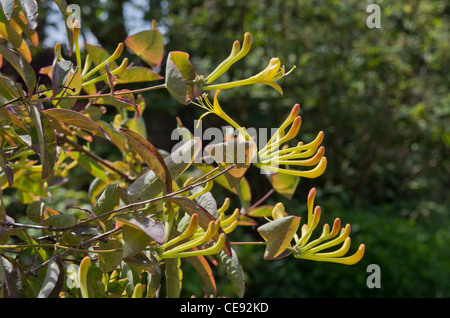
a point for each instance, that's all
(273, 72)
(311, 250)
(271, 158)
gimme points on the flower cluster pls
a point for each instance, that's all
(273, 72)
(312, 250)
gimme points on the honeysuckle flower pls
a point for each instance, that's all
(236, 54)
(273, 72)
(311, 250)
(196, 240)
(270, 157)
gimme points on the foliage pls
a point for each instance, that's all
(149, 211)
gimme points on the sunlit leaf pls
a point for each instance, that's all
(148, 45)
(174, 277)
(137, 74)
(202, 267)
(278, 234)
(150, 155)
(284, 184)
(21, 66)
(179, 75)
(74, 118)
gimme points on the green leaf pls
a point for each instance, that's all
(13, 281)
(35, 211)
(22, 67)
(7, 88)
(139, 232)
(150, 155)
(148, 185)
(53, 280)
(137, 74)
(6, 114)
(148, 45)
(141, 262)
(74, 118)
(261, 211)
(202, 267)
(284, 184)
(237, 152)
(60, 72)
(174, 277)
(30, 8)
(179, 74)
(205, 217)
(11, 35)
(206, 201)
(109, 261)
(60, 220)
(46, 139)
(234, 271)
(8, 7)
(6, 169)
(278, 234)
(108, 200)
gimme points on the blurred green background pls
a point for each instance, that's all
(380, 95)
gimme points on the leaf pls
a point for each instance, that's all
(179, 74)
(261, 211)
(237, 152)
(174, 277)
(234, 271)
(204, 219)
(141, 262)
(16, 40)
(278, 234)
(46, 139)
(206, 201)
(148, 185)
(60, 72)
(8, 115)
(30, 8)
(139, 232)
(8, 7)
(109, 261)
(35, 211)
(148, 45)
(137, 74)
(8, 89)
(150, 155)
(108, 200)
(202, 267)
(53, 280)
(6, 169)
(22, 67)
(74, 118)
(284, 184)
(60, 220)
(13, 281)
